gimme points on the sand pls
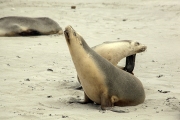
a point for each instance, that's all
(38, 77)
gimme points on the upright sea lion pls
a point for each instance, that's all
(114, 51)
(26, 26)
(102, 82)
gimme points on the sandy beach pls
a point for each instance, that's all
(38, 77)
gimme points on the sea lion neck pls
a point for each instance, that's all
(72, 37)
(85, 45)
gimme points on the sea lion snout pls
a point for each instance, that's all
(71, 34)
(69, 29)
(67, 33)
(142, 48)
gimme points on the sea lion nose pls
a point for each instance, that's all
(68, 28)
(145, 47)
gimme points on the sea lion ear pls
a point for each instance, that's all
(80, 42)
(74, 33)
(137, 43)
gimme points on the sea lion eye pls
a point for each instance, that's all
(137, 43)
(74, 33)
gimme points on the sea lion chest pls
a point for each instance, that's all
(91, 77)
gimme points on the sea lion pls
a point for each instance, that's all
(102, 82)
(129, 67)
(26, 26)
(114, 51)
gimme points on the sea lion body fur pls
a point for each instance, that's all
(114, 51)
(26, 26)
(102, 82)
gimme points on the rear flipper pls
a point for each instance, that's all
(108, 104)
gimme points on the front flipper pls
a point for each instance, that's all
(80, 87)
(86, 100)
(130, 63)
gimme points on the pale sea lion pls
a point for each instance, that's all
(114, 51)
(26, 26)
(102, 82)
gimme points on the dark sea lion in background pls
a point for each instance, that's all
(26, 26)
(102, 82)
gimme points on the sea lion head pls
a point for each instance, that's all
(138, 47)
(76, 43)
(73, 38)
